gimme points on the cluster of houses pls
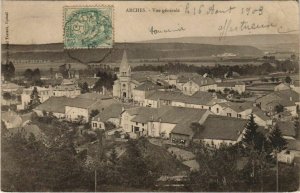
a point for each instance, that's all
(181, 108)
(129, 87)
(65, 88)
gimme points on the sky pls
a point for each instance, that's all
(39, 22)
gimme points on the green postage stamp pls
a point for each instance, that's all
(88, 27)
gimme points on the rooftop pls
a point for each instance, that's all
(201, 98)
(283, 97)
(93, 96)
(200, 80)
(58, 104)
(68, 87)
(293, 145)
(166, 114)
(287, 128)
(229, 84)
(148, 85)
(237, 107)
(54, 104)
(142, 76)
(261, 114)
(112, 111)
(222, 128)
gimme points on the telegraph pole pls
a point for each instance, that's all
(277, 182)
(95, 180)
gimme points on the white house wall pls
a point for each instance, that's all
(73, 113)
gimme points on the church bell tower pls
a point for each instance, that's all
(125, 78)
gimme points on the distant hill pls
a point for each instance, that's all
(268, 42)
(135, 51)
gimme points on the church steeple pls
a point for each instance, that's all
(124, 67)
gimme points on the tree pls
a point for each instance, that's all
(134, 171)
(113, 156)
(297, 126)
(51, 72)
(34, 99)
(109, 125)
(8, 70)
(278, 143)
(279, 108)
(253, 139)
(28, 74)
(217, 169)
(7, 96)
(226, 90)
(272, 79)
(64, 71)
(288, 79)
(94, 112)
(84, 88)
(36, 75)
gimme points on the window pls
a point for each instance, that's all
(124, 85)
(228, 114)
(136, 123)
(217, 110)
(239, 116)
(143, 124)
(209, 108)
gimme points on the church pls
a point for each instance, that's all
(124, 85)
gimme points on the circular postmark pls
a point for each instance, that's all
(88, 28)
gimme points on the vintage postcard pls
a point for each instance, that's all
(150, 96)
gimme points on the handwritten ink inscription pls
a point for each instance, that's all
(227, 27)
(214, 10)
(155, 31)
(231, 19)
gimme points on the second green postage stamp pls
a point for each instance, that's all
(88, 27)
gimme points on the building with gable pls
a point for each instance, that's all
(199, 100)
(282, 86)
(124, 85)
(219, 130)
(289, 99)
(44, 93)
(111, 114)
(143, 90)
(160, 122)
(74, 109)
(233, 109)
(198, 83)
